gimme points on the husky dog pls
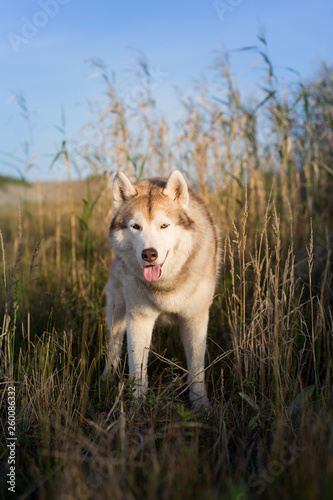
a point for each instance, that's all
(167, 255)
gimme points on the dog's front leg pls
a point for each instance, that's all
(139, 332)
(193, 332)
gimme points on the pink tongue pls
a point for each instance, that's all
(152, 273)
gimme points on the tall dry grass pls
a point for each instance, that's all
(265, 167)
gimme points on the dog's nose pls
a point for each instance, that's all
(149, 254)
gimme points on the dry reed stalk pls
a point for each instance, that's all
(28, 333)
(277, 310)
(161, 139)
(39, 204)
(58, 230)
(4, 270)
(151, 132)
(73, 234)
(6, 319)
(243, 262)
(73, 218)
(310, 254)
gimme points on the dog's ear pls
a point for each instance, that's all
(122, 190)
(176, 188)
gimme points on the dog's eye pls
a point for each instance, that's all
(136, 226)
(164, 226)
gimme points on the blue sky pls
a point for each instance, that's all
(44, 45)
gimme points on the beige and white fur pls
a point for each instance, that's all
(166, 263)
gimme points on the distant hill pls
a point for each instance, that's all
(17, 191)
(6, 180)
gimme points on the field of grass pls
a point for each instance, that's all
(265, 167)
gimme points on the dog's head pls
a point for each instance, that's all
(151, 228)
